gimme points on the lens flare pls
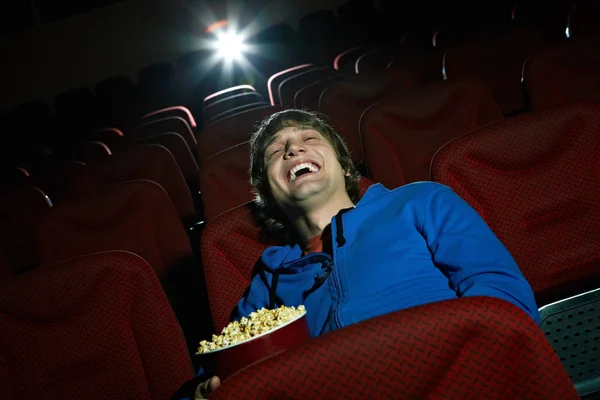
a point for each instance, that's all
(230, 46)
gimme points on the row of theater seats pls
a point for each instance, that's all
(139, 195)
(560, 73)
(518, 74)
(393, 119)
(101, 325)
(119, 102)
(533, 178)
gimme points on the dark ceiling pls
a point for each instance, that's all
(19, 16)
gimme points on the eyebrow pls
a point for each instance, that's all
(270, 142)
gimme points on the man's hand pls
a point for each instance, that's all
(207, 387)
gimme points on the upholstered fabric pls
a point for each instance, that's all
(182, 154)
(225, 181)
(91, 151)
(136, 216)
(292, 84)
(229, 132)
(167, 124)
(535, 180)
(20, 213)
(344, 104)
(152, 162)
(225, 103)
(95, 327)
(497, 62)
(468, 348)
(565, 72)
(174, 111)
(400, 134)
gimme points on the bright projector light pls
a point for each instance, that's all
(230, 46)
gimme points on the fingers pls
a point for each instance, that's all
(207, 387)
(214, 383)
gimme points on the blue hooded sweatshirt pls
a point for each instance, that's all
(417, 244)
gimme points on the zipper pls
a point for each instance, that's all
(334, 272)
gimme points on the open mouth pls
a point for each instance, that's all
(302, 169)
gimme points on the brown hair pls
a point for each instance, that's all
(268, 213)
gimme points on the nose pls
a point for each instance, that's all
(294, 148)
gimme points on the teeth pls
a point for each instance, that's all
(312, 167)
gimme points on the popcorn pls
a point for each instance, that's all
(258, 322)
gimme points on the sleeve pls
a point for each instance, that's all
(470, 255)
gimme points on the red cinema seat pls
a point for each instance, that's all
(97, 326)
(400, 134)
(534, 179)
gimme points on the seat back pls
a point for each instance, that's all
(222, 94)
(401, 133)
(289, 86)
(235, 111)
(225, 181)
(563, 73)
(20, 212)
(346, 59)
(112, 137)
(497, 62)
(175, 111)
(236, 100)
(164, 125)
(231, 131)
(534, 180)
(276, 79)
(549, 18)
(344, 104)
(375, 59)
(136, 216)
(13, 178)
(91, 151)
(151, 162)
(57, 180)
(308, 97)
(456, 349)
(231, 245)
(99, 324)
(182, 154)
(584, 19)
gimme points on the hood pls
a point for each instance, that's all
(290, 257)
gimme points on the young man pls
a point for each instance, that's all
(348, 259)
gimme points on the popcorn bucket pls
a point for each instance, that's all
(225, 361)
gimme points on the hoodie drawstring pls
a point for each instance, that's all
(327, 266)
(339, 227)
(273, 290)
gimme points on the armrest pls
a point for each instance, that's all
(463, 348)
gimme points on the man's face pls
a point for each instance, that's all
(302, 168)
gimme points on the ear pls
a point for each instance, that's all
(346, 173)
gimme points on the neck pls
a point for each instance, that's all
(311, 223)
